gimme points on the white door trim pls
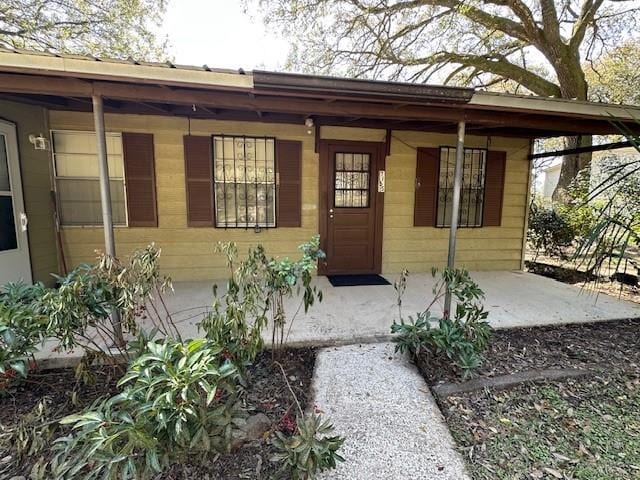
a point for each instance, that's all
(15, 264)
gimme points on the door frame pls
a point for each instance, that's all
(325, 175)
(16, 182)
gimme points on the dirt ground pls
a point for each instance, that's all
(586, 428)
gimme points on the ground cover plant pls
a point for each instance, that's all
(170, 407)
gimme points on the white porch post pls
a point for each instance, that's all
(105, 198)
(455, 208)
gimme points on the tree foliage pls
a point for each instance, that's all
(539, 46)
(615, 77)
(105, 28)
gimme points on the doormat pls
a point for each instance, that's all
(356, 280)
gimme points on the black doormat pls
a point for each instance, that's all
(356, 280)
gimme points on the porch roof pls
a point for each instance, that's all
(67, 82)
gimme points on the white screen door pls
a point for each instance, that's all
(14, 247)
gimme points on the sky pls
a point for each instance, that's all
(219, 34)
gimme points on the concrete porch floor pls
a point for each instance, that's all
(365, 313)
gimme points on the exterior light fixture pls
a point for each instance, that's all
(39, 142)
(308, 122)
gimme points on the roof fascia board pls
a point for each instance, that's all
(553, 106)
(350, 87)
(122, 71)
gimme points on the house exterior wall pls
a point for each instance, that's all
(420, 248)
(188, 252)
(36, 182)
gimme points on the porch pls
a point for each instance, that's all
(365, 313)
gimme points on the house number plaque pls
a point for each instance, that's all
(381, 175)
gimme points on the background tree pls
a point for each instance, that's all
(538, 45)
(107, 28)
(615, 77)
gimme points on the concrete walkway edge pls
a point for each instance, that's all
(382, 405)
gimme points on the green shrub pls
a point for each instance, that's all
(310, 450)
(22, 328)
(178, 400)
(255, 295)
(460, 339)
(77, 312)
(549, 232)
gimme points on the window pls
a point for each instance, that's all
(76, 169)
(352, 175)
(472, 194)
(245, 181)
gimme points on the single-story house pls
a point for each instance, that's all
(197, 155)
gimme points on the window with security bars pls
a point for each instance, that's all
(352, 180)
(245, 181)
(77, 178)
(472, 193)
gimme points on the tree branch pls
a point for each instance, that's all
(587, 14)
(501, 67)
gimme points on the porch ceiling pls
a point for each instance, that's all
(65, 83)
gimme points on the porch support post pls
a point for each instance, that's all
(455, 208)
(105, 198)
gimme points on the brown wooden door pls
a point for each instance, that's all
(351, 207)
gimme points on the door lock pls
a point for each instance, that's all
(331, 213)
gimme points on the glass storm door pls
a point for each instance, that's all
(15, 264)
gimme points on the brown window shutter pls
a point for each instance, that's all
(289, 158)
(140, 175)
(426, 196)
(198, 168)
(494, 188)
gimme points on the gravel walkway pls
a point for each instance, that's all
(383, 407)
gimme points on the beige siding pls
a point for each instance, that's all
(188, 252)
(36, 182)
(420, 248)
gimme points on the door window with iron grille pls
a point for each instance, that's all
(472, 193)
(245, 181)
(352, 180)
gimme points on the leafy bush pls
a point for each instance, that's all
(22, 329)
(77, 313)
(460, 339)
(310, 450)
(179, 399)
(255, 295)
(79, 310)
(549, 232)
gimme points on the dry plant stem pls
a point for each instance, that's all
(169, 317)
(158, 322)
(286, 339)
(295, 398)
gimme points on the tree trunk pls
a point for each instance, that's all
(573, 85)
(572, 165)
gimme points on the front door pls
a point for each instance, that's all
(351, 207)
(14, 247)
